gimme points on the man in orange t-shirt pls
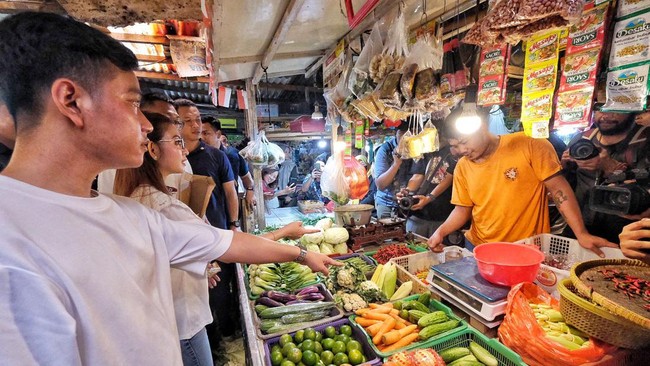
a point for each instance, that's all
(501, 184)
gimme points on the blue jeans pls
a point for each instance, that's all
(469, 246)
(196, 350)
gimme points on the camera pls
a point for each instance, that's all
(618, 198)
(583, 149)
(406, 202)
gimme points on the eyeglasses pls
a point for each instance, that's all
(177, 141)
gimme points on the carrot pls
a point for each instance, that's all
(380, 310)
(399, 325)
(394, 312)
(373, 329)
(365, 322)
(388, 325)
(376, 316)
(362, 311)
(402, 342)
(395, 335)
(386, 305)
(399, 319)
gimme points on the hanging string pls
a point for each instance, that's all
(268, 96)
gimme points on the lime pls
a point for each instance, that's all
(343, 338)
(309, 358)
(327, 343)
(353, 345)
(310, 333)
(276, 358)
(346, 329)
(299, 336)
(330, 332)
(276, 347)
(287, 363)
(319, 336)
(284, 339)
(294, 355)
(307, 345)
(327, 357)
(338, 347)
(355, 356)
(318, 348)
(287, 347)
(340, 358)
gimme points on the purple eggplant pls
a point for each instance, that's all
(269, 302)
(280, 296)
(315, 296)
(308, 290)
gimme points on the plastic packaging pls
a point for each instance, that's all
(360, 82)
(631, 41)
(627, 89)
(356, 177)
(332, 182)
(538, 9)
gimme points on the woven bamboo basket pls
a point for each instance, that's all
(587, 291)
(599, 323)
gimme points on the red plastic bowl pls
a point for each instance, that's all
(508, 264)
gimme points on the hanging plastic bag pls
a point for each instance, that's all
(521, 332)
(429, 137)
(356, 177)
(332, 181)
(392, 56)
(275, 153)
(257, 152)
(360, 82)
(339, 95)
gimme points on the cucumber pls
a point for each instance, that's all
(416, 305)
(465, 358)
(260, 308)
(416, 315)
(439, 328)
(452, 354)
(433, 318)
(303, 317)
(425, 299)
(482, 354)
(278, 312)
(466, 363)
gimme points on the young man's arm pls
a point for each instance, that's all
(384, 173)
(566, 202)
(232, 202)
(458, 217)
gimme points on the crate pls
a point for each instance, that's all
(333, 315)
(503, 354)
(409, 265)
(358, 334)
(255, 297)
(548, 277)
(434, 306)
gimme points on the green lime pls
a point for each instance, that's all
(355, 356)
(299, 336)
(346, 329)
(318, 348)
(307, 345)
(330, 332)
(353, 345)
(287, 347)
(319, 336)
(294, 355)
(309, 358)
(339, 347)
(343, 338)
(310, 333)
(327, 357)
(327, 343)
(276, 347)
(340, 358)
(284, 339)
(363, 359)
(276, 358)
(287, 363)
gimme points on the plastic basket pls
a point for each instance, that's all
(255, 297)
(599, 323)
(548, 277)
(334, 314)
(357, 334)
(433, 305)
(503, 354)
(409, 265)
(373, 252)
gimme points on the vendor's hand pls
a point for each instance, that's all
(251, 201)
(319, 262)
(295, 230)
(435, 242)
(213, 274)
(634, 240)
(422, 201)
(594, 243)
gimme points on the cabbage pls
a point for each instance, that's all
(314, 238)
(335, 235)
(313, 248)
(324, 224)
(341, 248)
(327, 248)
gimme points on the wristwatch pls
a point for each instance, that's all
(303, 254)
(234, 223)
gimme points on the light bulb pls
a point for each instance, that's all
(322, 144)
(469, 121)
(317, 113)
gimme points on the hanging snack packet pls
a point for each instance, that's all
(540, 77)
(491, 90)
(504, 15)
(627, 89)
(493, 60)
(631, 41)
(589, 31)
(542, 47)
(628, 8)
(580, 69)
(573, 108)
(538, 129)
(536, 106)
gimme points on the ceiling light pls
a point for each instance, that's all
(322, 144)
(317, 113)
(469, 121)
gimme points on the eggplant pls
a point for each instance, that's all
(280, 296)
(312, 297)
(269, 302)
(308, 290)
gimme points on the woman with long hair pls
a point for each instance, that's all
(166, 155)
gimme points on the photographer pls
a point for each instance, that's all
(615, 144)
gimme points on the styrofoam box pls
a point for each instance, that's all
(548, 277)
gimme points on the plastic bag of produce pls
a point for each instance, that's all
(332, 181)
(257, 152)
(392, 56)
(504, 15)
(276, 154)
(360, 82)
(357, 178)
(521, 332)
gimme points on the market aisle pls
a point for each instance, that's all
(231, 353)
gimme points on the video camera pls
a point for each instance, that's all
(618, 198)
(583, 149)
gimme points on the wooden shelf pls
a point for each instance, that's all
(156, 59)
(160, 75)
(139, 38)
(297, 136)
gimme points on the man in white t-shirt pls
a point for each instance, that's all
(85, 277)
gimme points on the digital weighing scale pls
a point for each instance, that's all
(461, 281)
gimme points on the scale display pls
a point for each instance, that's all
(464, 274)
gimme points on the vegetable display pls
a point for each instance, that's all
(285, 317)
(288, 276)
(556, 329)
(331, 240)
(351, 289)
(385, 253)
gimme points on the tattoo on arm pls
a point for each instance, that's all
(559, 197)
